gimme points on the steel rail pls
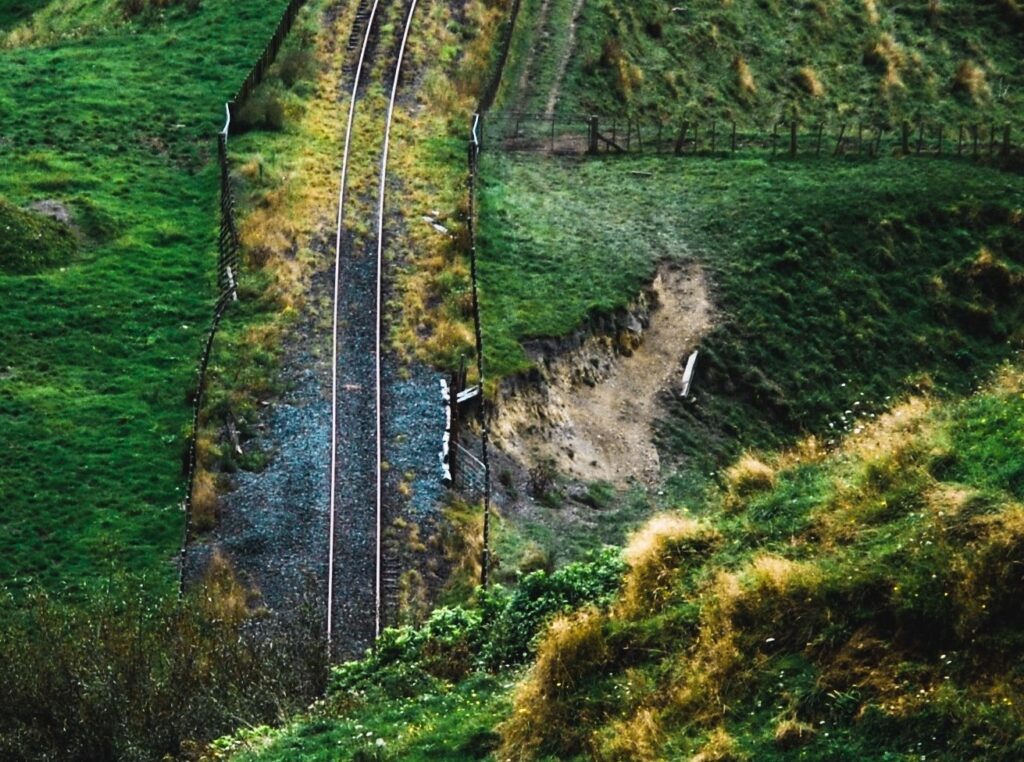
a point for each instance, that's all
(337, 289)
(380, 260)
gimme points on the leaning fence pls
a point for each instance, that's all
(228, 259)
(577, 133)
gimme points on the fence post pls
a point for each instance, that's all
(905, 139)
(839, 142)
(974, 131)
(878, 143)
(775, 138)
(629, 134)
(817, 147)
(793, 135)
(681, 139)
(714, 135)
(592, 137)
(1006, 139)
(552, 133)
(734, 137)
(992, 139)
(920, 139)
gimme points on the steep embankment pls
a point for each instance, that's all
(874, 58)
(862, 603)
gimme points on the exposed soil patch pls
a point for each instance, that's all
(591, 416)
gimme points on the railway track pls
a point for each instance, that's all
(356, 563)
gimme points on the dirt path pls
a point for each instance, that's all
(563, 64)
(540, 34)
(604, 432)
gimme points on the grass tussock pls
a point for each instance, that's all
(744, 77)
(720, 747)
(871, 12)
(655, 555)
(808, 80)
(747, 477)
(544, 712)
(970, 79)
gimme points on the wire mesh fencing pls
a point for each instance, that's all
(228, 259)
(588, 134)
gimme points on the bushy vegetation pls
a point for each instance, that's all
(119, 674)
(432, 691)
(861, 602)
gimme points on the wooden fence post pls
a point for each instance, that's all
(734, 137)
(552, 133)
(821, 132)
(920, 139)
(714, 134)
(878, 142)
(1006, 139)
(681, 139)
(592, 137)
(992, 139)
(629, 134)
(905, 139)
(839, 142)
(974, 130)
(775, 137)
(792, 135)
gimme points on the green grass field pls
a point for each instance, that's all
(100, 353)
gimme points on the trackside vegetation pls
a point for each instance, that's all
(857, 602)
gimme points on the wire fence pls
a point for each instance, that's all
(228, 260)
(577, 134)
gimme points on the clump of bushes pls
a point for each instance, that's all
(262, 111)
(499, 632)
(115, 674)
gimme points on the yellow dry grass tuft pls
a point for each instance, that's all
(871, 9)
(224, 598)
(204, 501)
(655, 554)
(792, 734)
(746, 478)
(970, 79)
(543, 708)
(744, 76)
(636, 738)
(807, 79)
(720, 747)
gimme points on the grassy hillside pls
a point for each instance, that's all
(877, 58)
(99, 354)
(838, 284)
(861, 603)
